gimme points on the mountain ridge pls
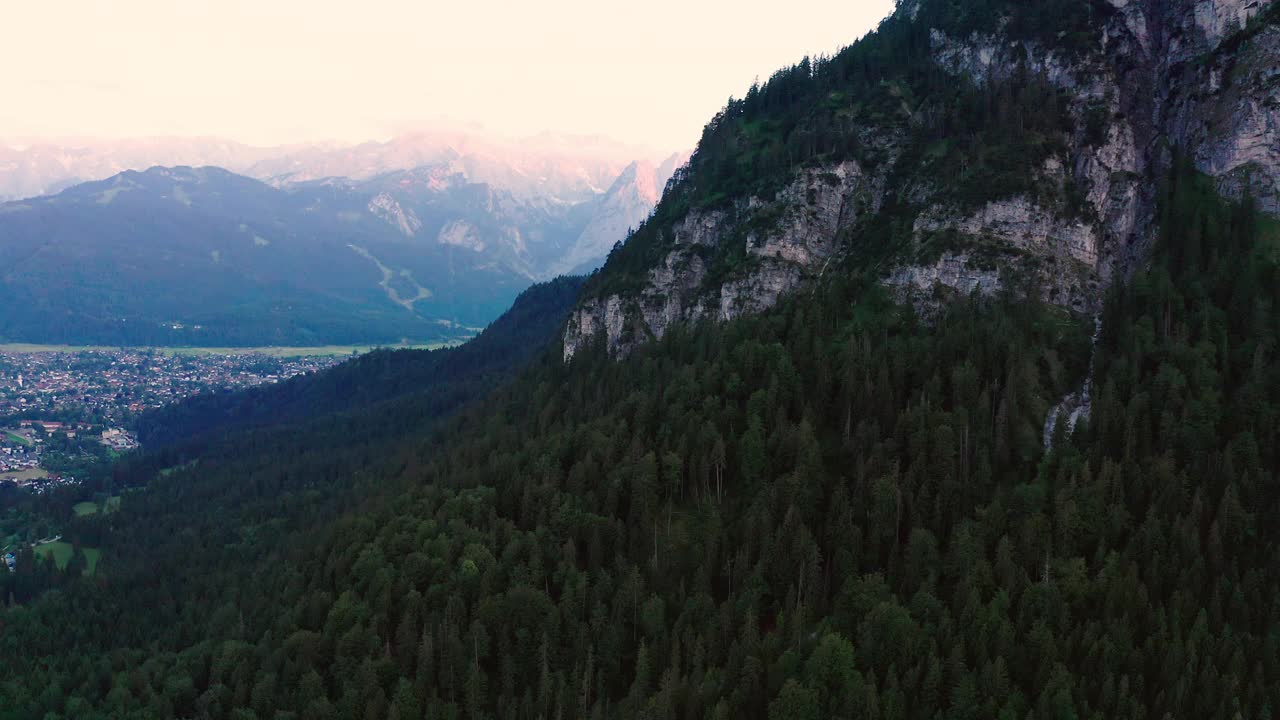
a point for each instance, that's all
(420, 253)
(203, 256)
(547, 164)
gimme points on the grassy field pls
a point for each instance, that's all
(276, 352)
(166, 472)
(61, 553)
(88, 507)
(31, 474)
(18, 438)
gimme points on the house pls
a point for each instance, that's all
(10, 561)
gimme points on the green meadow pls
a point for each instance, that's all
(90, 507)
(61, 553)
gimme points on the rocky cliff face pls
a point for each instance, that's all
(1201, 76)
(785, 238)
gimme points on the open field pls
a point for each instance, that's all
(30, 474)
(61, 553)
(277, 352)
(89, 507)
(166, 472)
(18, 438)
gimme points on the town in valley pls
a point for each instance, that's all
(67, 414)
(80, 395)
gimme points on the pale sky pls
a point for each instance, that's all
(280, 71)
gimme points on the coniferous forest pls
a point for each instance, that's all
(833, 509)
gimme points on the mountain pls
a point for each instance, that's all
(435, 206)
(787, 470)
(45, 168)
(955, 154)
(554, 167)
(420, 238)
(550, 166)
(201, 256)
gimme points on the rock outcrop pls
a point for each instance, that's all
(785, 240)
(386, 207)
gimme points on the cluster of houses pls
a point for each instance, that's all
(19, 451)
(114, 438)
(114, 383)
(50, 427)
(119, 439)
(18, 459)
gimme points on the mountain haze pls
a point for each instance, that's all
(46, 168)
(564, 168)
(568, 168)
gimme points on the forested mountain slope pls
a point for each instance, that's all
(829, 510)
(436, 379)
(839, 506)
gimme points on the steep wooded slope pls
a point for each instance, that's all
(433, 381)
(833, 507)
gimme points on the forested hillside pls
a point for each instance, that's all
(432, 381)
(840, 503)
(829, 510)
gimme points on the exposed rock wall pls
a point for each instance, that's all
(787, 238)
(1228, 117)
(387, 208)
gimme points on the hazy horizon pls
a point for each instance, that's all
(291, 72)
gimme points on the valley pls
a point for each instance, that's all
(67, 414)
(64, 386)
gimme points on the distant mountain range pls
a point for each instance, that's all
(422, 238)
(566, 167)
(44, 169)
